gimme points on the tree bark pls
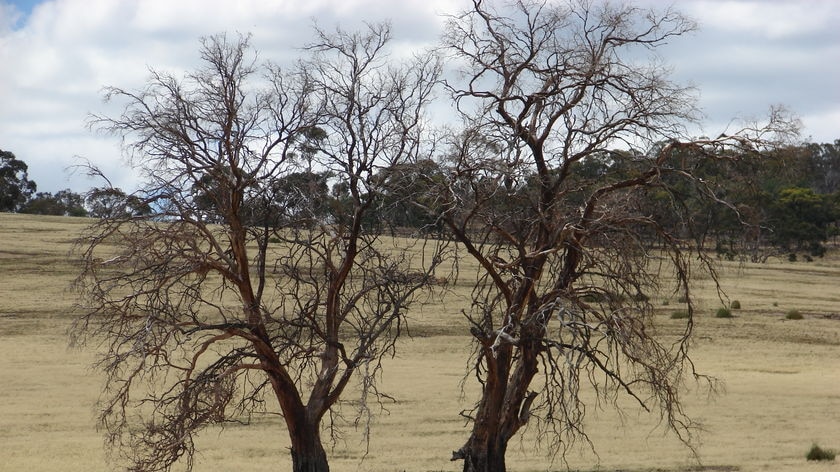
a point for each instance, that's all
(484, 452)
(308, 454)
(504, 409)
(486, 447)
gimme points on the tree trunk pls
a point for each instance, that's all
(486, 447)
(503, 410)
(308, 454)
(485, 454)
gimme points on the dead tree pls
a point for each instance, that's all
(553, 215)
(214, 308)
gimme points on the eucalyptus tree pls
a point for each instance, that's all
(213, 308)
(554, 216)
(15, 186)
(106, 202)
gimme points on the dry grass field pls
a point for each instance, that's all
(780, 381)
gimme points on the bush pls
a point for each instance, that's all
(723, 313)
(793, 315)
(679, 315)
(666, 302)
(735, 305)
(683, 299)
(819, 454)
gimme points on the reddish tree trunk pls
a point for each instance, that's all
(308, 454)
(486, 447)
(485, 453)
(504, 409)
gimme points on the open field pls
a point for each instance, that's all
(781, 380)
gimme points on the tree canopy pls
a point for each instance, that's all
(559, 221)
(15, 186)
(245, 288)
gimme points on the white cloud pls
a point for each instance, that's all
(748, 55)
(823, 126)
(766, 19)
(58, 60)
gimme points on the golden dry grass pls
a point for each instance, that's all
(781, 378)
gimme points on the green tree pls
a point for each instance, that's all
(111, 202)
(297, 200)
(62, 203)
(800, 220)
(15, 186)
(824, 160)
(410, 190)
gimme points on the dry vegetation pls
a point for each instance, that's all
(780, 379)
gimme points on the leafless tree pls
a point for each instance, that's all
(539, 197)
(210, 307)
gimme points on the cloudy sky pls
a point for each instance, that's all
(56, 55)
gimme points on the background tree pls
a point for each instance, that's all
(300, 199)
(780, 202)
(403, 185)
(63, 203)
(548, 90)
(800, 220)
(112, 202)
(204, 311)
(824, 160)
(15, 186)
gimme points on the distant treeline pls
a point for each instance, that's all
(786, 203)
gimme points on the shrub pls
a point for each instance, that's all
(819, 454)
(666, 302)
(679, 315)
(683, 299)
(775, 303)
(723, 313)
(735, 305)
(793, 315)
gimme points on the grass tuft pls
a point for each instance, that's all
(819, 454)
(793, 315)
(723, 313)
(679, 315)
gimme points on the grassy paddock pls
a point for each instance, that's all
(781, 380)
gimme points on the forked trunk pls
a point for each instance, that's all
(308, 454)
(503, 410)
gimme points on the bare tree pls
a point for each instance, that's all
(553, 215)
(210, 306)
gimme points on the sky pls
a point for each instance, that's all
(57, 55)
